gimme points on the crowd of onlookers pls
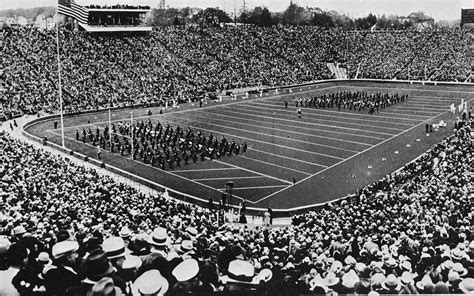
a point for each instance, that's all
(192, 62)
(68, 230)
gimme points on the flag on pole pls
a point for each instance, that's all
(71, 9)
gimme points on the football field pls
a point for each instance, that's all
(291, 162)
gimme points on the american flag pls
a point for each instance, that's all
(73, 10)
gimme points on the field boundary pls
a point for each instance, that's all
(200, 201)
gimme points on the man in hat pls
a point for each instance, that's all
(150, 283)
(63, 278)
(159, 242)
(115, 250)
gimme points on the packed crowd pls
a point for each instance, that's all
(67, 230)
(160, 145)
(188, 63)
(360, 101)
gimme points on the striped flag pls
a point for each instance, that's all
(74, 10)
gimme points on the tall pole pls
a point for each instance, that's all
(60, 87)
(110, 132)
(131, 130)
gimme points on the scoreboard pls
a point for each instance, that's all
(467, 16)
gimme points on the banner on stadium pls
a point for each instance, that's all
(71, 9)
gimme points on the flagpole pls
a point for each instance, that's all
(60, 86)
(131, 130)
(110, 132)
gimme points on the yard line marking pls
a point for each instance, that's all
(333, 120)
(420, 124)
(293, 132)
(203, 170)
(230, 178)
(311, 123)
(291, 158)
(248, 170)
(319, 111)
(300, 127)
(164, 171)
(268, 143)
(272, 164)
(257, 187)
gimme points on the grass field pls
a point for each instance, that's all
(328, 152)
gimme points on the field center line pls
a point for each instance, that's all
(416, 126)
(255, 140)
(141, 163)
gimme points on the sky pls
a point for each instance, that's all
(438, 9)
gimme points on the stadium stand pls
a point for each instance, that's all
(67, 230)
(186, 63)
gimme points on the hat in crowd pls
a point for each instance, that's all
(186, 270)
(391, 283)
(191, 231)
(43, 257)
(131, 262)
(104, 287)
(317, 286)
(264, 275)
(97, 266)
(114, 247)
(331, 279)
(336, 267)
(63, 248)
(425, 281)
(186, 246)
(349, 279)
(453, 276)
(240, 271)
(359, 267)
(151, 283)
(125, 232)
(407, 278)
(19, 230)
(467, 285)
(4, 244)
(159, 237)
(350, 260)
(460, 269)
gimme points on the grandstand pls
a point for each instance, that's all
(201, 159)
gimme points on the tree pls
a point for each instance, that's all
(212, 16)
(341, 20)
(296, 15)
(322, 19)
(260, 16)
(366, 23)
